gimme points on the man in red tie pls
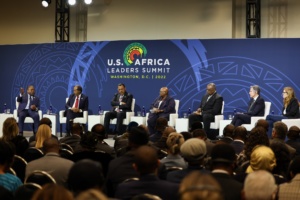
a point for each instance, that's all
(76, 104)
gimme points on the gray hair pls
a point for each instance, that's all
(256, 88)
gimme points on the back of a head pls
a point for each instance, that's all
(196, 125)
(7, 152)
(186, 135)
(193, 150)
(257, 136)
(51, 145)
(161, 124)
(46, 121)
(91, 194)
(174, 142)
(77, 129)
(222, 155)
(168, 130)
(294, 167)
(240, 132)
(85, 174)
(43, 133)
(138, 137)
(228, 130)
(197, 185)
(262, 158)
(260, 185)
(26, 191)
(199, 133)
(293, 133)
(89, 140)
(146, 160)
(131, 125)
(263, 123)
(53, 191)
(10, 129)
(280, 130)
(99, 130)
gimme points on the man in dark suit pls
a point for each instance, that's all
(256, 107)
(160, 108)
(239, 138)
(75, 106)
(121, 103)
(29, 105)
(74, 139)
(211, 105)
(146, 164)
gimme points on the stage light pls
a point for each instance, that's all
(72, 2)
(46, 3)
(88, 2)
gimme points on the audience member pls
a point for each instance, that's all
(279, 134)
(194, 152)
(121, 167)
(7, 180)
(146, 164)
(197, 185)
(256, 107)
(162, 142)
(161, 107)
(227, 135)
(223, 163)
(239, 139)
(200, 134)
(46, 121)
(161, 124)
(174, 159)
(121, 103)
(84, 175)
(122, 141)
(257, 136)
(291, 190)
(290, 109)
(186, 135)
(43, 133)
(88, 142)
(293, 138)
(26, 191)
(10, 132)
(211, 105)
(282, 156)
(99, 130)
(196, 125)
(53, 191)
(74, 139)
(6, 194)
(263, 123)
(51, 162)
(29, 105)
(77, 103)
(259, 185)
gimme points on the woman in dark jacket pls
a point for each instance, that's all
(290, 108)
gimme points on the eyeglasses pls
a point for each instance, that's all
(284, 92)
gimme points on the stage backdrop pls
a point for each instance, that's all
(184, 66)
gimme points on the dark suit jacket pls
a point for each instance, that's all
(127, 98)
(168, 106)
(238, 146)
(258, 108)
(213, 105)
(148, 184)
(292, 110)
(24, 99)
(83, 102)
(231, 188)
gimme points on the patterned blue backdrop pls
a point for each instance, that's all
(185, 66)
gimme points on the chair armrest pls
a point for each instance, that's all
(172, 119)
(15, 114)
(255, 119)
(128, 117)
(85, 115)
(218, 118)
(61, 114)
(40, 114)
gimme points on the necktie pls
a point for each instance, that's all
(208, 98)
(250, 108)
(76, 102)
(120, 98)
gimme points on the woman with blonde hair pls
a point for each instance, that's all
(174, 159)
(10, 132)
(43, 133)
(290, 109)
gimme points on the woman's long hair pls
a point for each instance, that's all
(290, 95)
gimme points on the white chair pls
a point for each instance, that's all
(254, 119)
(172, 116)
(291, 122)
(28, 120)
(128, 115)
(81, 120)
(218, 118)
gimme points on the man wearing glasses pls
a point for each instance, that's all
(76, 104)
(256, 107)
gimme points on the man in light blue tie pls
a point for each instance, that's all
(29, 105)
